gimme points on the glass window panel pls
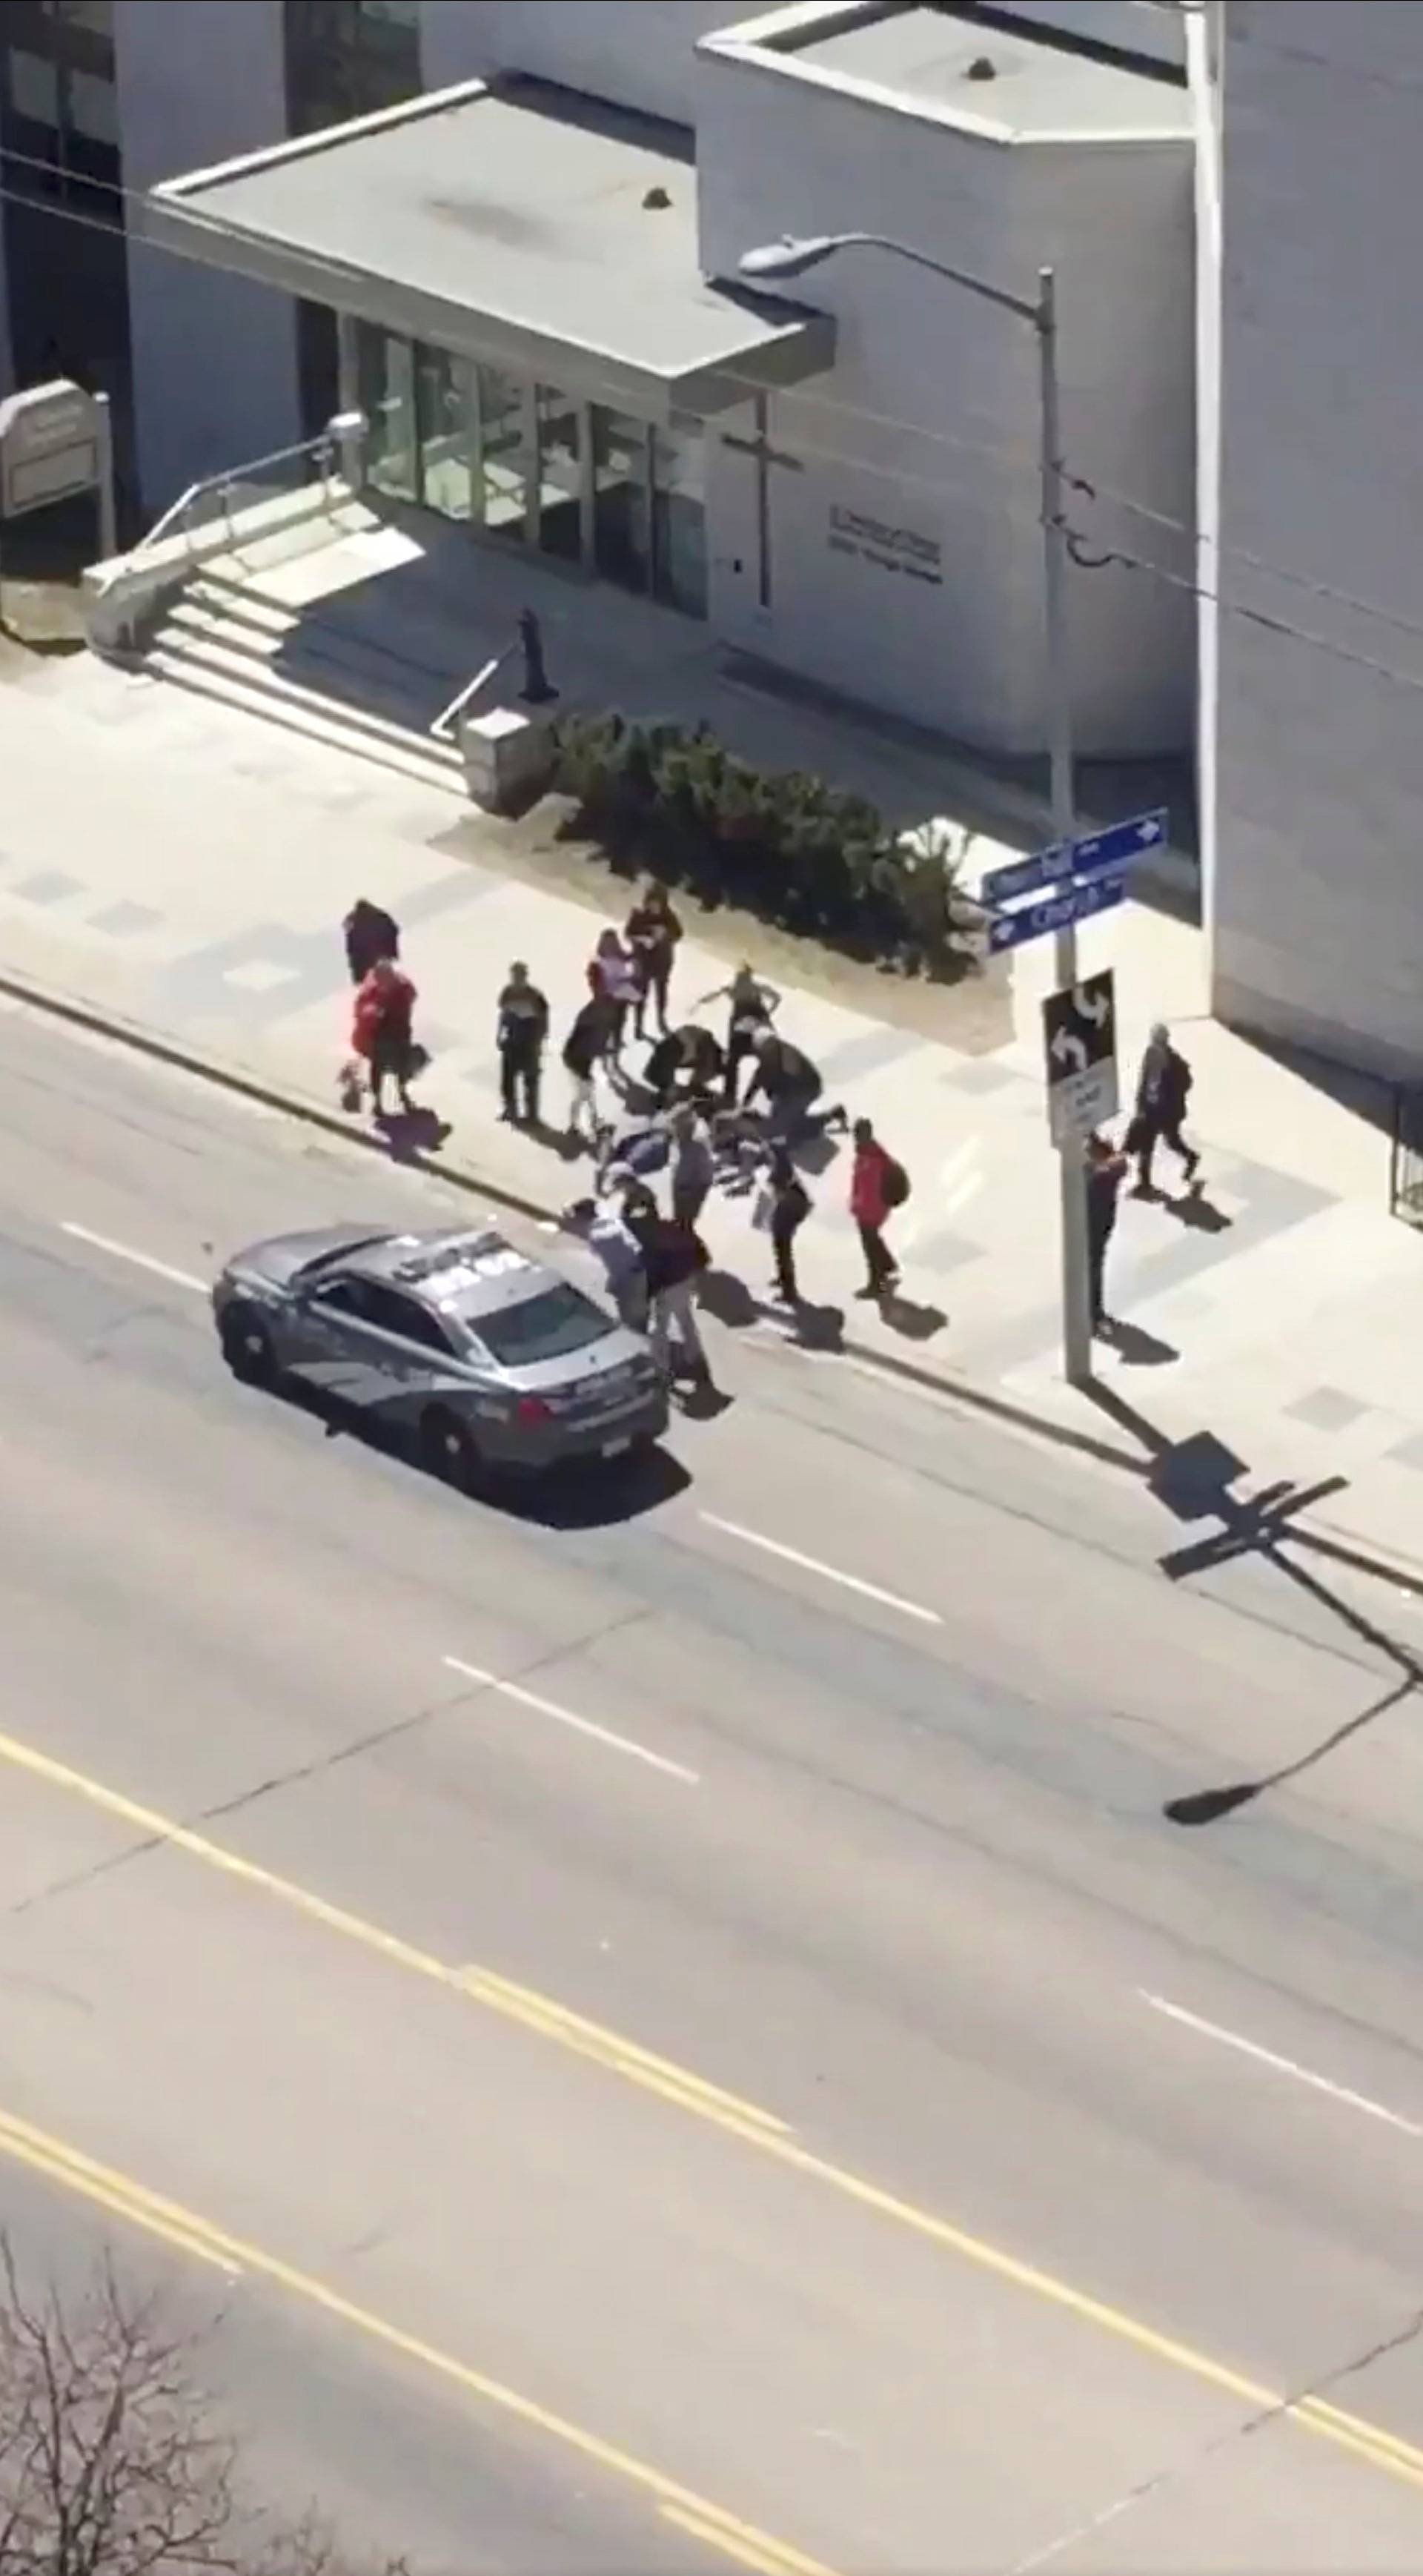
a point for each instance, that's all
(503, 452)
(93, 107)
(622, 536)
(559, 422)
(385, 369)
(446, 433)
(679, 515)
(34, 88)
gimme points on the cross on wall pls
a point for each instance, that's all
(765, 456)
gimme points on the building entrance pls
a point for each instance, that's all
(531, 465)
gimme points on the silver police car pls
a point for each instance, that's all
(493, 1360)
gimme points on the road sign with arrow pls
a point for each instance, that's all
(1080, 1052)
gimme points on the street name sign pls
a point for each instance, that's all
(1080, 1055)
(1058, 911)
(1062, 861)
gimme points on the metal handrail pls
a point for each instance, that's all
(443, 726)
(322, 446)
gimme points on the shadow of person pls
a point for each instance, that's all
(1136, 1347)
(412, 1132)
(1195, 1210)
(913, 1321)
(728, 1298)
(819, 1328)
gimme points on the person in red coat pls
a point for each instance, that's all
(381, 1034)
(873, 1197)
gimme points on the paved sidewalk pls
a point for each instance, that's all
(185, 869)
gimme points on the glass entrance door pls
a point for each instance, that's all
(622, 499)
(444, 419)
(385, 380)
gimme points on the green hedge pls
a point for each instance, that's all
(784, 846)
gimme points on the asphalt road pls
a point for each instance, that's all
(680, 2023)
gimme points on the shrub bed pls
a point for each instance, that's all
(784, 846)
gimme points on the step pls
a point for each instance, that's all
(248, 654)
(340, 641)
(225, 599)
(314, 719)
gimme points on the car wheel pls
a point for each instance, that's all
(447, 1449)
(247, 1346)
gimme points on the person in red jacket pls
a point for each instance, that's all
(385, 1002)
(876, 1189)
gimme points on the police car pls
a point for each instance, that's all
(493, 1360)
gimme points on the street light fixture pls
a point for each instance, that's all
(790, 258)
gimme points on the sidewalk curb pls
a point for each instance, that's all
(1378, 1563)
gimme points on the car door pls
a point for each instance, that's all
(336, 1350)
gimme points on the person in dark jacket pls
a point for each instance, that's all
(673, 1253)
(790, 1084)
(584, 1049)
(521, 1035)
(1163, 1088)
(1106, 1171)
(652, 931)
(370, 935)
(688, 1060)
(789, 1208)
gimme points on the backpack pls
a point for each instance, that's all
(894, 1183)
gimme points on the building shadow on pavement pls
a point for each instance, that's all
(1194, 1480)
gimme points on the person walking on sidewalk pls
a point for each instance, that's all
(693, 1169)
(674, 1254)
(383, 1034)
(652, 932)
(787, 1205)
(521, 1035)
(1106, 1171)
(1162, 1091)
(878, 1185)
(583, 1051)
(369, 934)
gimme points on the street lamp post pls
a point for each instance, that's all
(789, 258)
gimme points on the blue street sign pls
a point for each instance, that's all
(1055, 912)
(1064, 860)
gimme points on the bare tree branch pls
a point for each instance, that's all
(109, 2463)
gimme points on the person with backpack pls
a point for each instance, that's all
(878, 1185)
(382, 1033)
(1162, 1090)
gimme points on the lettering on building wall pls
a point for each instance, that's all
(877, 541)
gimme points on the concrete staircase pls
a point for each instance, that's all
(228, 635)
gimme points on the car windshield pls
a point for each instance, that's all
(546, 1327)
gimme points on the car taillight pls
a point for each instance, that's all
(532, 1408)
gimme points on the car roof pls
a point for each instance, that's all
(464, 1274)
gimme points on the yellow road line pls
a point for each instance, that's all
(1382, 2449)
(65, 2165)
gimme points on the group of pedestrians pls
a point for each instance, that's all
(1163, 1089)
(741, 1103)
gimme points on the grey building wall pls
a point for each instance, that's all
(929, 422)
(1318, 900)
(639, 53)
(214, 358)
(7, 378)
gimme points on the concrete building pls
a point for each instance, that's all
(845, 489)
(1314, 661)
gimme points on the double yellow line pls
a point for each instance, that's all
(182, 2228)
(689, 2092)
